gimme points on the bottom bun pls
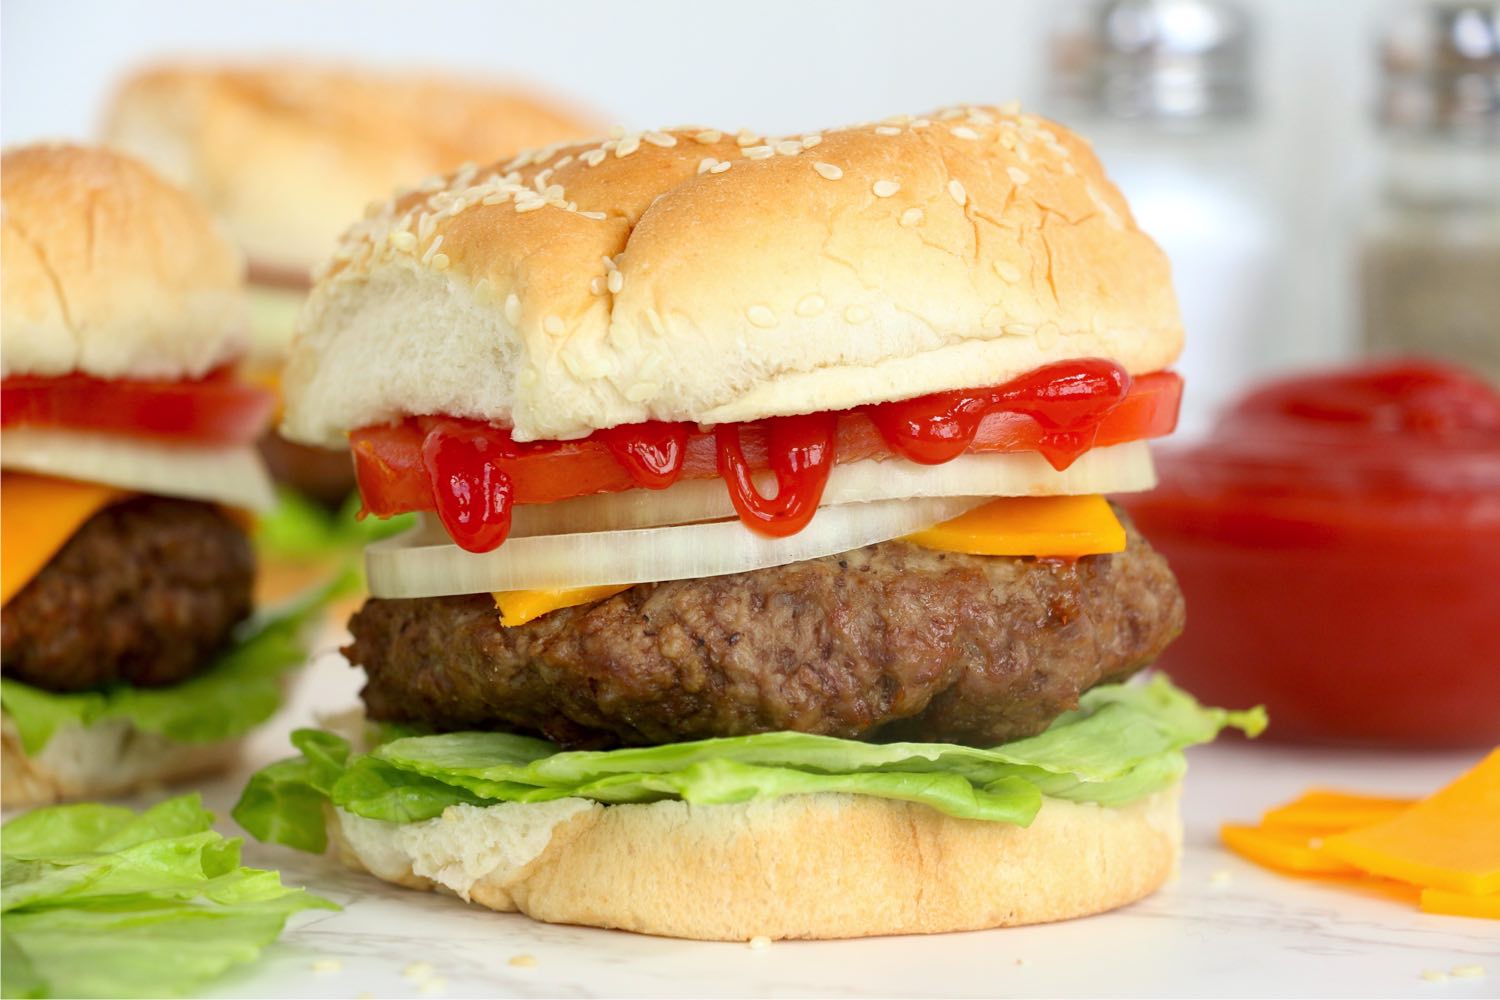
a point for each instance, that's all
(107, 758)
(806, 866)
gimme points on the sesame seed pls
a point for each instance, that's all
(964, 132)
(810, 305)
(761, 316)
(513, 309)
(609, 262)
(498, 198)
(431, 250)
(594, 157)
(760, 152)
(887, 130)
(948, 114)
(809, 141)
(563, 162)
(744, 138)
(325, 965)
(828, 171)
(709, 135)
(553, 192)
(856, 314)
(884, 189)
(760, 941)
(615, 282)
(404, 241)
(596, 285)
(789, 147)
(1467, 971)
(1010, 109)
(439, 262)
(654, 318)
(523, 961)
(721, 167)
(707, 163)
(1007, 271)
(596, 216)
(627, 146)
(957, 192)
(911, 217)
(553, 325)
(661, 139)
(1434, 976)
(1017, 175)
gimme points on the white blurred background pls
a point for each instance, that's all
(1264, 277)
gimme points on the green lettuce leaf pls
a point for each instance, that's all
(100, 901)
(240, 690)
(298, 528)
(1123, 742)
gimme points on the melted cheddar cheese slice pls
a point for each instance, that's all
(517, 607)
(1030, 526)
(38, 514)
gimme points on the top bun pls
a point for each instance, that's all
(111, 271)
(287, 154)
(702, 276)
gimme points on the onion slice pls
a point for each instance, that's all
(421, 563)
(229, 475)
(1121, 468)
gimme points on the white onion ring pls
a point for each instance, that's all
(226, 474)
(1121, 468)
(416, 564)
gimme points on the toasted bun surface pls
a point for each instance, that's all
(108, 758)
(810, 866)
(111, 271)
(289, 153)
(696, 275)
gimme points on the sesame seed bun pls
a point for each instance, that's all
(287, 153)
(703, 276)
(803, 866)
(111, 271)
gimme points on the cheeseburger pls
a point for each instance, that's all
(287, 153)
(764, 585)
(129, 656)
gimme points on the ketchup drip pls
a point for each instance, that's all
(651, 453)
(473, 493)
(1068, 399)
(799, 451)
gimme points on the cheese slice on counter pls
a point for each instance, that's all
(1282, 850)
(517, 607)
(1321, 811)
(38, 514)
(1460, 904)
(1449, 841)
(1030, 526)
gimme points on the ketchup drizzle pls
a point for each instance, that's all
(1067, 398)
(800, 452)
(651, 453)
(473, 493)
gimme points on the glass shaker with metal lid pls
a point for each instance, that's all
(1429, 274)
(1165, 90)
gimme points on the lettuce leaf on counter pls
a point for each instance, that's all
(1123, 742)
(240, 690)
(100, 901)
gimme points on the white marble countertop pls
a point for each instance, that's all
(1222, 928)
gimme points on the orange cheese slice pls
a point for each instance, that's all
(1283, 850)
(1322, 811)
(1450, 840)
(517, 607)
(1030, 526)
(1460, 904)
(38, 514)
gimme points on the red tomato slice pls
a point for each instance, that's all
(215, 409)
(393, 480)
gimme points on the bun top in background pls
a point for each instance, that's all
(699, 275)
(289, 153)
(111, 271)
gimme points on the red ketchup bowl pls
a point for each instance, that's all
(1337, 538)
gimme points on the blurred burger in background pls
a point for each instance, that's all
(765, 584)
(286, 153)
(128, 445)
